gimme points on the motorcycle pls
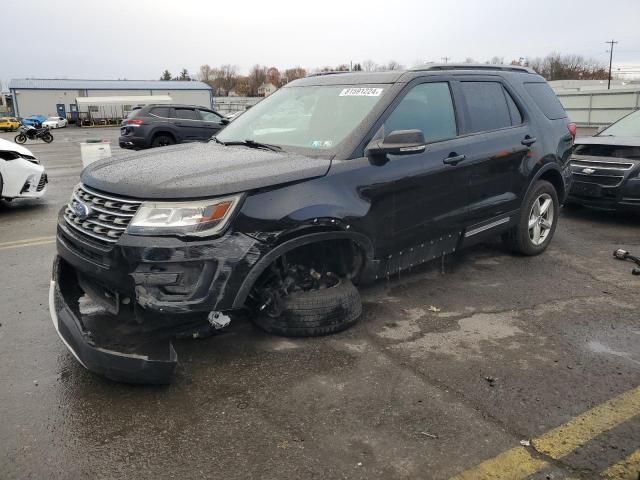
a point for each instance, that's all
(29, 132)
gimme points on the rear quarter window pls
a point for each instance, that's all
(546, 100)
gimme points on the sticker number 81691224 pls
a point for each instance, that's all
(361, 92)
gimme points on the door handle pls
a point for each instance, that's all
(528, 141)
(454, 159)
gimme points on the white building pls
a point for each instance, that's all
(57, 97)
(266, 89)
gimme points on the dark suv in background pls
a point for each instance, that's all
(162, 125)
(333, 181)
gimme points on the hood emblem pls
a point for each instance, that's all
(82, 210)
(588, 171)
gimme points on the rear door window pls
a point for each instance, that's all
(186, 114)
(160, 112)
(488, 107)
(427, 107)
(546, 100)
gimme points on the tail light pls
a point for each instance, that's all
(135, 122)
(572, 129)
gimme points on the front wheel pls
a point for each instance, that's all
(21, 138)
(47, 137)
(315, 312)
(538, 221)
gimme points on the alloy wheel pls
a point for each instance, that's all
(541, 219)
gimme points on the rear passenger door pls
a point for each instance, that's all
(498, 131)
(187, 121)
(211, 123)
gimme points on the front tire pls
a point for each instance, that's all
(538, 221)
(21, 139)
(315, 312)
(47, 137)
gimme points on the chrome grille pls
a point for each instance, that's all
(601, 164)
(108, 216)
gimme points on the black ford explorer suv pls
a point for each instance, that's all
(335, 180)
(606, 167)
(162, 125)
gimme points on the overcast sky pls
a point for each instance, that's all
(138, 39)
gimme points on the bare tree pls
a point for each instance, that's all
(273, 76)
(568, 67)
(166, 75)
(391, 65)
(257, 76)
(369, 65)
(243, 86)
(496, 60)
(470, 60)
(291, 74)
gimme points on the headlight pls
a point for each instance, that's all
(197, 218)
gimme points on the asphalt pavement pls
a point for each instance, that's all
(500, 367)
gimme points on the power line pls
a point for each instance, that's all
(612, 43)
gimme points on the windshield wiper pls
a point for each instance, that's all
(253, 144)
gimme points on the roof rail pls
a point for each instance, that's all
(471, 66)
(330, 72)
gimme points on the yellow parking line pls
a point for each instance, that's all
(626, 469)
(579, 430)
(518, 463)
(29, 242)
(513, 464)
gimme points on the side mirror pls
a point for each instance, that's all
(398, 142)
(225, 121)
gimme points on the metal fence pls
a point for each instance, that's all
(599, 108)
(228, 105)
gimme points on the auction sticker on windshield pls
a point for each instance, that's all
(361, 92)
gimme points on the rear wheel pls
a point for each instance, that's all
(538, 220)
(162, 140)
(21, 139)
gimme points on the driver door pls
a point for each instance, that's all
(429, 189)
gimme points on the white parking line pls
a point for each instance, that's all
(29, 242)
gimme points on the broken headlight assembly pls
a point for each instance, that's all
(199, 218)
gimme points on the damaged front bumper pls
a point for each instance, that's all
(140, 360)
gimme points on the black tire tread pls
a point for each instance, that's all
(315, 313)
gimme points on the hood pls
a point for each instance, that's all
(197, 170)
(7, 146)
(604, 140)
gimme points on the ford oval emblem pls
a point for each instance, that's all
(82, 210)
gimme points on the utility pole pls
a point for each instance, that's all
(445, 59)
(612, 43)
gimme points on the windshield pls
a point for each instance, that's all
(52, 118)
(317, 117)
(628, 126)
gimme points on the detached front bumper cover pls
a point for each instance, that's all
(152, 362)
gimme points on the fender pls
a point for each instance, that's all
(262, 264)
(541, 171)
